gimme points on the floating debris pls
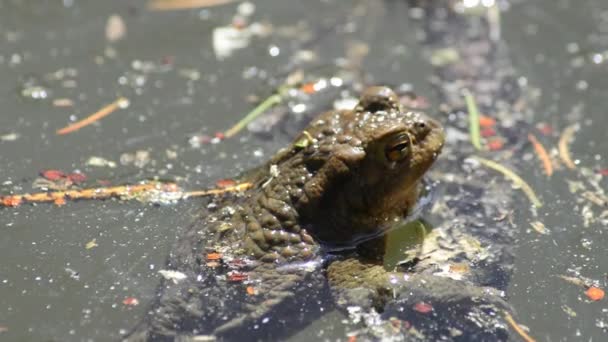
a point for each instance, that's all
(563, 146)
(148, 192)
(173, 5)
(486, 121)
(237, 277)
(214, 256)
(514, 177)
(495, 144)
(542, 154)
(33, 88)
(539, 227)
(518, 329)
(91, 244)
(174, 276)
(116, 29)
(120, 103)
(473, 119)
(52, 175)
(100, 162)
(130, 301)
(261, 108)
(63, 102)
(9, 137)
(227, 39)
(445, 56)
(139, 159)
(423, 307)
(251, 291)
(595, 198)
(595, 293)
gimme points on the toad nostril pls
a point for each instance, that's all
(422, 128)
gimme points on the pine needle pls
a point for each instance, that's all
(121, 102)
(524, 335)
(172, 5)
(542, 154)
(564, 151)
(261, 108)
(474, 130)
(514, 177)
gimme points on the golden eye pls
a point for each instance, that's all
(398, 149)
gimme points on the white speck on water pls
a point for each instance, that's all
(298, 108)
(274, 51)
(572, 48)
(336, 81)
(246, 9)
(582, 85)
(470, 3)
(598, 58)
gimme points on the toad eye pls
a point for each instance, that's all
(399, 149)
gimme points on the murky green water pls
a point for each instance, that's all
(53, 288)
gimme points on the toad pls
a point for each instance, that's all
(314, 219)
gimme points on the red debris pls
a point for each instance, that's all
(224, 183)
(220, 135)
(52, 175)
(77, 177)
(603, 172)
(423, 307)
(237, 276)
(544, 128)
(488, 132)
(130, 301)
(496, 144)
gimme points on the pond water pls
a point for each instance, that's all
(57, 66)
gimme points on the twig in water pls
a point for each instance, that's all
(121, 102)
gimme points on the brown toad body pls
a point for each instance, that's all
(349, 176)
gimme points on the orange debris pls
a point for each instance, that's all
(213, 256)
(486, 121)
(105, 111)
(542, 154)
(595, 293)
